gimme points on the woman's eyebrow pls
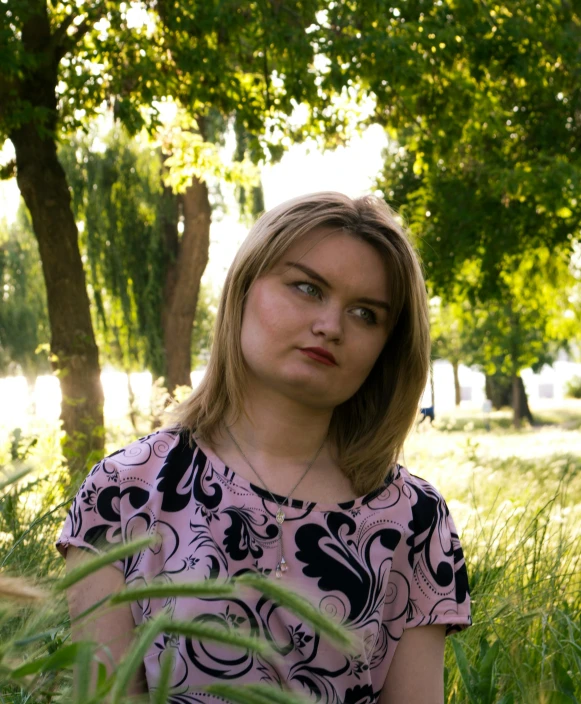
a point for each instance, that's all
(317, 277)
(309, 272)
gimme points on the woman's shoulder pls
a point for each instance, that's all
(146, 454)
(419, 494)
(405, 478)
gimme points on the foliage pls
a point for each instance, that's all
(516, 501)
(118, 198)
(24, 330)
(515, 497)
(522, 327)
(484, 102)
(573, 387)
(206, 312)
(253, 62)
(121, 205)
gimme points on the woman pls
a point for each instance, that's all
(284, 462)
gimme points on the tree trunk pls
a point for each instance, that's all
(520, 402)
(74, 353)
(42, 183)
(457, 390)
(499, 390)
(183, 283)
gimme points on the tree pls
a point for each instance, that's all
(63, 61)
(121, 205)
(450, 338)
(524, 327)
(24, 330)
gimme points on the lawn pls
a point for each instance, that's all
(515, 497)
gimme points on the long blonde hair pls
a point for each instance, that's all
(369, 429)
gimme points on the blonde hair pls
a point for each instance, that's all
(369, 429)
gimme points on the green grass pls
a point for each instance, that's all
(515, 498)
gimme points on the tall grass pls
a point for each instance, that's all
(515, 498)
(520, 525)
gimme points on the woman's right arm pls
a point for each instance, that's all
(108, 626)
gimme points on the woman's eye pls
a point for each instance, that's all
(309, 289)
(368, 317)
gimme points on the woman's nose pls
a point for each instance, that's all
(329, 323)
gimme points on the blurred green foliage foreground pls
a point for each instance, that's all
(516, 500)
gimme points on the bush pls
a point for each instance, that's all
(573, 387)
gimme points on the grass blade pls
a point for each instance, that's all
(14, 477)
(135, 656)
(333, 631)
(82, 677)
(201, 631)
(161, 693)
(207, 588)
(61, 659)
(94, 564)
(253, 694)
(464, 667)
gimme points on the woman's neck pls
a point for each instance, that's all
(277, 428)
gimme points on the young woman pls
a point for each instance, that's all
(284, 461)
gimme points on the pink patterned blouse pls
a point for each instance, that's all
(380, 564)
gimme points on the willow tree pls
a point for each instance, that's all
(123, 209)
(63, 60)
(24, 331)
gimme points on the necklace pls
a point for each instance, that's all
(281, 563)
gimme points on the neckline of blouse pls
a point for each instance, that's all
(231, 476)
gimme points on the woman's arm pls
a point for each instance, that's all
(108, 626)
(416, 673)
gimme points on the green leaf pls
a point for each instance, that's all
(61, 659)
(82, 676)
(563, 680)
(464, 668)
(485, 670)
(554, 697)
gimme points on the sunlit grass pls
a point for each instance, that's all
(515, 498)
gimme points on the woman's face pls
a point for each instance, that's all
(314, 326)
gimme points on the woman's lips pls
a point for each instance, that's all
(320, 356)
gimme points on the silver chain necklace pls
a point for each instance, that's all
(281, 563)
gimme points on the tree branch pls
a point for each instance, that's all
(69, 41)
(61, 32)
(8, 170)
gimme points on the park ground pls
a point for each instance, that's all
(515, 497)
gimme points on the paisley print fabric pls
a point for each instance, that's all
(382, 563)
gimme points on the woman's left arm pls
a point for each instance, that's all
(416, 673)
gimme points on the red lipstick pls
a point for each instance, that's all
(320, 355)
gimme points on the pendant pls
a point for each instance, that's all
(280, 516)
(281, 568)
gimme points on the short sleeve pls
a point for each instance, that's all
(93, 522)
(439, 592)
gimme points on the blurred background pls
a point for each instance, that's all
(140, 141)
